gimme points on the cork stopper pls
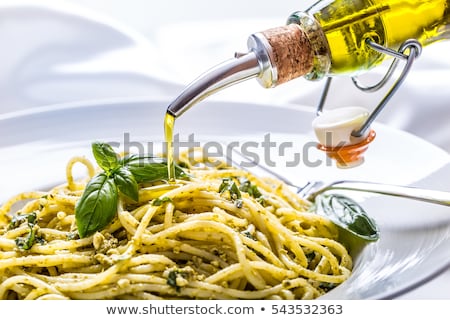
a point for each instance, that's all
(292, 53)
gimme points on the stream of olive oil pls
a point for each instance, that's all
(169, 122)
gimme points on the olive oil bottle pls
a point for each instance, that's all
(347, 24)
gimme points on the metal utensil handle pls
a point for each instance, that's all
(432, 196)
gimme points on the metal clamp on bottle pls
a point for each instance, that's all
(415, 49)
(345, 133)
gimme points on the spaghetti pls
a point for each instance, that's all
(190, 239)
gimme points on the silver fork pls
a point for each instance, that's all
(313, 188)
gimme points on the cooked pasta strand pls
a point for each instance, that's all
(201, 244)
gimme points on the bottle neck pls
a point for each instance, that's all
(318, 43)
(297, 49)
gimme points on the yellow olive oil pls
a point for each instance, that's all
(348, 23)
(169, 122)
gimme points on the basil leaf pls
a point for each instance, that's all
(172, 280)
(150, 169)
(97, 205)
(247, 186)
(347, 214)
(229, 185)
(160, 201)
(126, 183)
(21, 218)
(25, 243)
(105, 156)
(137, 158)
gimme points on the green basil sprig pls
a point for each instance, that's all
(97, 206)
(347, 214)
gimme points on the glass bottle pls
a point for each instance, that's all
(328, 39)
(348, 24)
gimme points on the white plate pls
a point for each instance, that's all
(415, 237)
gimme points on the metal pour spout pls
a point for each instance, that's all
(235, 70)
(257, 63)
